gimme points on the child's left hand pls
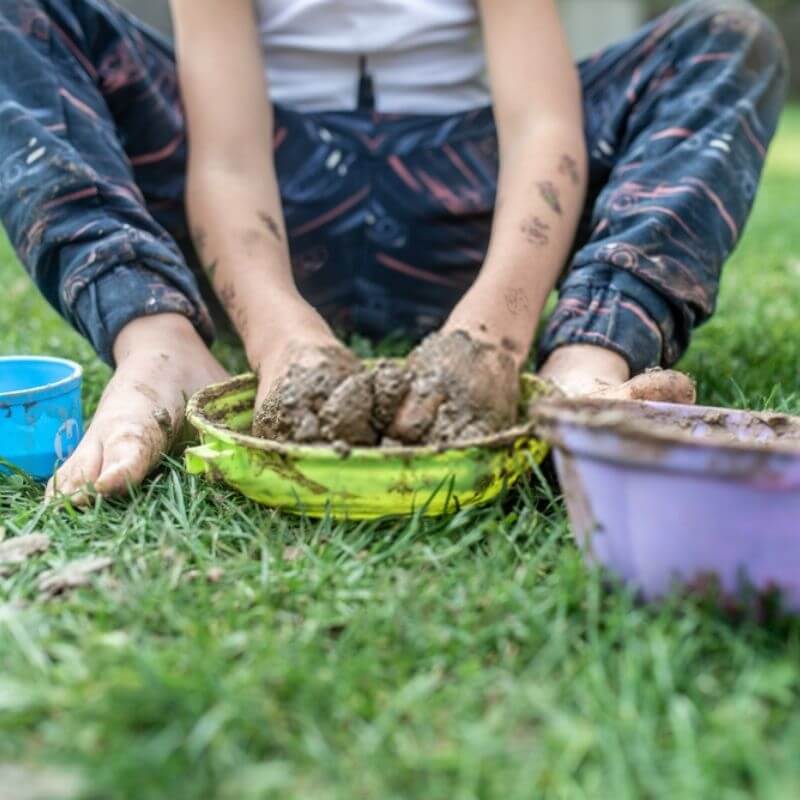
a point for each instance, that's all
(463, 387)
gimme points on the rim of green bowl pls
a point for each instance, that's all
(196, 415)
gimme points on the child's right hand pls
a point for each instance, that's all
(297, 374)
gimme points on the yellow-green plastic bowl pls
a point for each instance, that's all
(364, 483)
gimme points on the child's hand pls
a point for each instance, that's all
(461, 388)
(161, 361)
(293, 390)
(589, 371)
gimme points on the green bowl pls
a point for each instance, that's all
(364, 482)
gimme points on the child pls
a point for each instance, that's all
(388, 185)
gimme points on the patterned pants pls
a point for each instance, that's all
(388, 215)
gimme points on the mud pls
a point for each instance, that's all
(15, 551)
(346, 415)
(461, 389)
(146, 391)
(674, 387)
(391, 382)
(452, 388)
(72, 575)
(292, 409)
(164, 420)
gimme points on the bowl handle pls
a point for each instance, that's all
(199, 458)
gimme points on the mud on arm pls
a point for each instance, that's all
(232, 196)
(543, 171)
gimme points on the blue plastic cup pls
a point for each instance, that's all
(41, 422)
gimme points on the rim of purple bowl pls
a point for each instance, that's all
(609, 415)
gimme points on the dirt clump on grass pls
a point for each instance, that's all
(440, 395)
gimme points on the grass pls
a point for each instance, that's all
(471, 657)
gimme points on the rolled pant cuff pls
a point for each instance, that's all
(138, 284)
(610, 308)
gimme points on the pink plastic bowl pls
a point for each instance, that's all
(663, 494)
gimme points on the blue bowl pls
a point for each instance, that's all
(41, 422)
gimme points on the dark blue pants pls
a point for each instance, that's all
(389, 216)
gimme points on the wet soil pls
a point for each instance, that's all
(461, 388)
(164, 420)
(346, 416)
(452, 388)
(294, 405)
(391, 382)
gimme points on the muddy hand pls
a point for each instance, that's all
(316, 391)
(461, 388)
(161, 362)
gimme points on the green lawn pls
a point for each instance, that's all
(474, 657)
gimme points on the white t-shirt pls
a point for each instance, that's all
(424, 56)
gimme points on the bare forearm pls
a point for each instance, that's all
(233, 199)
(540, 197)
(537, 104)
(239, 233)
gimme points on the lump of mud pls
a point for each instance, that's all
(390, 382)
(346, 416)
(291, 410)
(461, 388)
(333, 400)
(452, 388)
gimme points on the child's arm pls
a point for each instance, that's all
(232, 194)
(541, 191)
(543, 169)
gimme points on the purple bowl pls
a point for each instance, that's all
(664, 494)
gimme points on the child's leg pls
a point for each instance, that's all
(91, 118)
(405, 219)
(678, 122)
(92, 134)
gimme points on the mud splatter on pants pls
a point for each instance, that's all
(389, 216)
